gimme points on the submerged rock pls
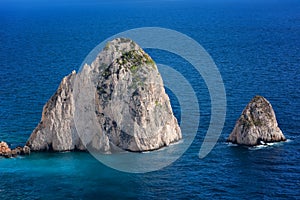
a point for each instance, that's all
(132, 110)
(256, 125)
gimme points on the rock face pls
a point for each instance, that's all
(256, 125)
(56, 130)
(132, 111)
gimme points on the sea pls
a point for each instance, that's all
(255, 46)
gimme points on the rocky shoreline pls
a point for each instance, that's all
(7, 152)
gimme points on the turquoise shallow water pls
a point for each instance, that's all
(255, 46)
(224, 173)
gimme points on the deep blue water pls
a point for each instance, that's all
(255, 45)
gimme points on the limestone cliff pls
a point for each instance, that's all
(132, 110)
(256, 125)
(56, 130)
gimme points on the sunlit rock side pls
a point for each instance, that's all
(132, 110)
(256, 125)
(56, 130)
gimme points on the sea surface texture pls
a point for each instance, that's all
(255, 45)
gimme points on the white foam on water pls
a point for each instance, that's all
(288, 140)
(261, 146)
(62, 152)
(231, 144)
(178, 142)
(266, 145)
(166, 147)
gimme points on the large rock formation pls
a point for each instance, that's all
(132, 111)
(256, 125)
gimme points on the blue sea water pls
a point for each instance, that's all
(255, 46)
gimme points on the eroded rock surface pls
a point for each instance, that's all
(132, 110)
(256, 125)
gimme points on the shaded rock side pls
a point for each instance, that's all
(132, 110)
(256, 125)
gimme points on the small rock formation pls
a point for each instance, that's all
(256, 125)
(6, 152)
(4, 149)
(24, 151)
(131, 108)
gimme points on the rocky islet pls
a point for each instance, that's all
(132, 110)
(257, 124)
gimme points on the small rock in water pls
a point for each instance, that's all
(6, 152)
(19, 150)
(14, 153)
(25, 150)
(257, 125)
